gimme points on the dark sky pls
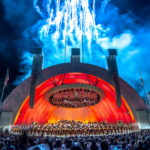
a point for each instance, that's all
(14, 21)
(10, 34)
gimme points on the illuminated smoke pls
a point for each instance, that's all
(69, 22)
(104, 5)
(102, 27)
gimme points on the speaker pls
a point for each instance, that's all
(112, 67)
(36, 68)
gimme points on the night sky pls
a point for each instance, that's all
(16, 16)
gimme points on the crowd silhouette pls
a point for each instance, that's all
(137, 140)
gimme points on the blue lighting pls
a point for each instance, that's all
(102, 26)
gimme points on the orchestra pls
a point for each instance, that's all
(72, 128)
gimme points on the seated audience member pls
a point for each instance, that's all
(131, 146)
(93, 146)
(104, 145)
(140, 146)
(76, 146)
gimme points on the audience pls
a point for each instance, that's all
(137, 140)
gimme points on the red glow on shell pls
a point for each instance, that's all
(43, 112)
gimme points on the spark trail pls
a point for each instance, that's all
(98, 21)
(66, 22)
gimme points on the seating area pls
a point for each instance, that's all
(72, 128)
(139, 140)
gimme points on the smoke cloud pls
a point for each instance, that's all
(100, 24)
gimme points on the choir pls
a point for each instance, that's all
(70, 128)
